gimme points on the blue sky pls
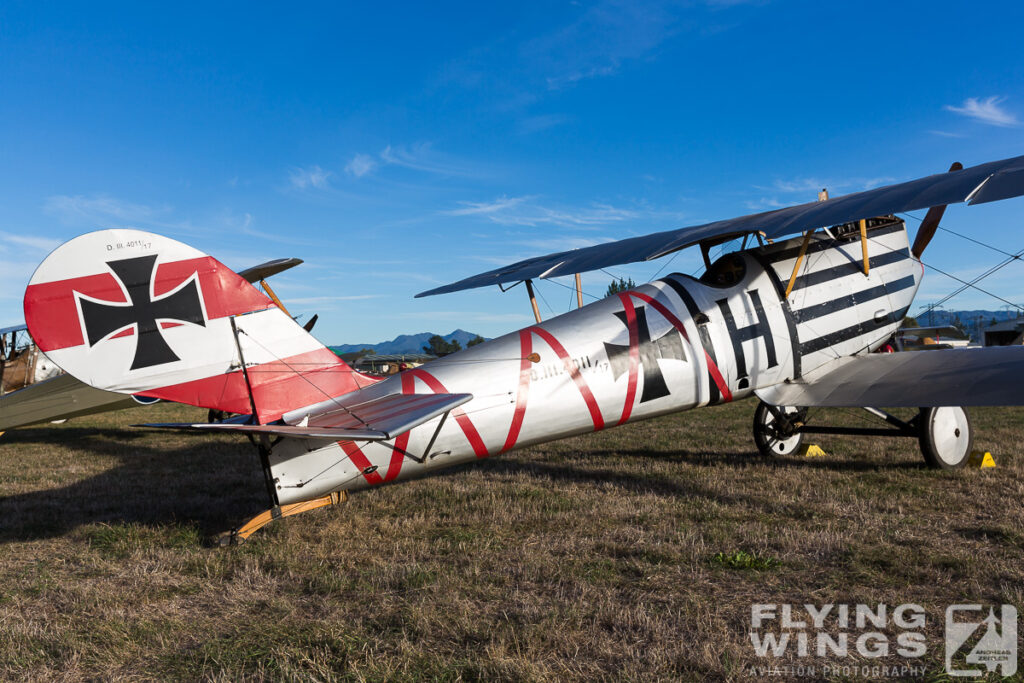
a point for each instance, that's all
(398, 147)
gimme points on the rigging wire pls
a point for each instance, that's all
(968, 284)
(666, 264)
(573, 290)
(969, 239)
(541, 295)
(973, 283)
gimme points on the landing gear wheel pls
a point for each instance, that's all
(945, 436)
(774, 436)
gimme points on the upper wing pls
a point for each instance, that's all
(976, 185)
(354, 419)
(990, 376)
(57, 398)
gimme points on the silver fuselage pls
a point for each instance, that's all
(670, 345)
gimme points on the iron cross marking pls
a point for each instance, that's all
(669, 345)
(142, 311)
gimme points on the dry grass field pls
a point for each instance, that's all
(632, 554)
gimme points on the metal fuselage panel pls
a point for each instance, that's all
(670, 345)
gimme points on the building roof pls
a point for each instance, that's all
(1006, 326)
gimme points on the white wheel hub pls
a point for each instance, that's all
(950, 434)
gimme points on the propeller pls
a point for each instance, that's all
(308, 327)
(931, 222)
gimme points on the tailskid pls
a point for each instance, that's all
(242, 533)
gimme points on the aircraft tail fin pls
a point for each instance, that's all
(138, 313)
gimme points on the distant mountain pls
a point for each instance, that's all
(406, 343)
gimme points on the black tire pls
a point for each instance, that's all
(946, 437)
(769, 439)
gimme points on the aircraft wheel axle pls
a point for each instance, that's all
(777, 429)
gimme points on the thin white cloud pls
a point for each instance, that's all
(44, 244)
(556, 244)
(360, 165)
(329, 299)
(526, 212)
(811, 186)
(985, 110)
(311, 176)
(946, 134)
(475, 208)
(602, 38)
(870, 183)
(421, 157)
(800, 185)
(470, 316)
(535, 124)
(101, 210)
(764, 204)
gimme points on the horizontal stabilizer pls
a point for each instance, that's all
(979, 184)
(991, 376)
(379, 419)
(264, 270)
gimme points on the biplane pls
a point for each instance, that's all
(791, 317)
(33, 388)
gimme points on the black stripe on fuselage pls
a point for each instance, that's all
(827, 243)
(714, 395)
(851, 300)
(846, 269)
(787, 311)
(847, 333)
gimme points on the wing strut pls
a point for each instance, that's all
(533, 300)
(799, 260)
(930, 224)
(864, 243)
(270, 293)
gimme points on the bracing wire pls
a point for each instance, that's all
(973, 284)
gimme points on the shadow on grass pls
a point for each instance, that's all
(210, 486)
(744, 459)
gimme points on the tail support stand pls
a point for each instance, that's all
(239, 535)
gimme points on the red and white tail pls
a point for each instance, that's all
(138, 313)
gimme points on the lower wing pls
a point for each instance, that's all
(58, 398)
(990, 376)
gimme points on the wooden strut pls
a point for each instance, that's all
(273, 297)
(579, 292)
(243, 532)
(799, 260)
(864, 244)
(533, 300)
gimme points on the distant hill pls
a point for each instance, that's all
(406, 343)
